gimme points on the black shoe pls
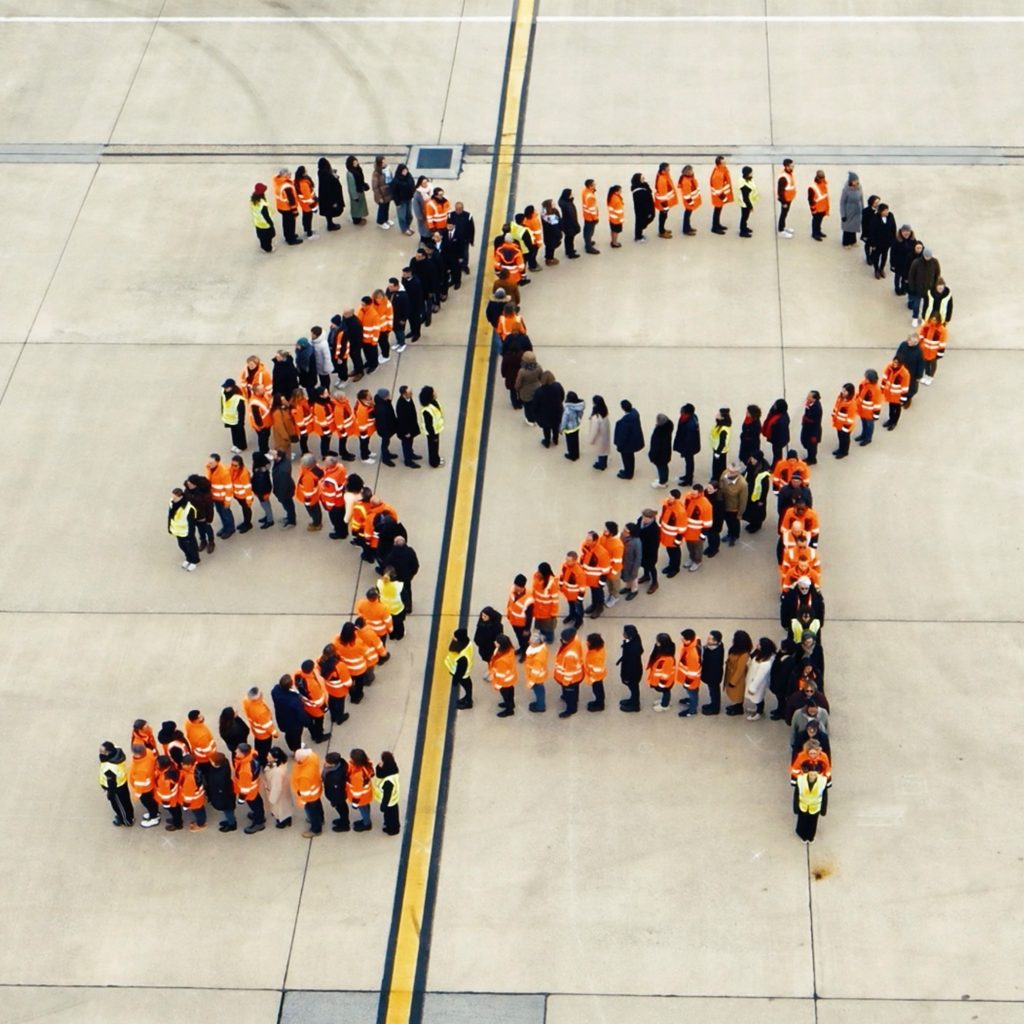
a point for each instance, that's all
(295, 241)
(266, 526)
(342, 827)
(567, 714)
(840, 455)
(255, 827)
(710, 554)
(863, 444)
(624, 705)
(670, 573)
(746, 234)
(388, 462)
(734, 709)
(622, 475)
(631, 595)
(718, 231)
(412, 465)
(709, 710)
(731, 541)
(360, 826)
(465, 704)
(535, 707)
(646, 578)
(245, 528)
(594, 252)
(505, 713)
(776, 716)
(284, 823)
(595, 706)
(227, 828)
(686, 713)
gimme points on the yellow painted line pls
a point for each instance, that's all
(400, 1001)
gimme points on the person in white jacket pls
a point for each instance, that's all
(759, 672)
(277, 794)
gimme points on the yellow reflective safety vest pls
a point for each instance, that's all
(718, 432)
(260, 214)
(451, 659)
(761, 482)
(391, 594)
(810, 797)
(120, 774)
(378, 790)
(519, 233)
(232, 408)
(436, 416)
(178, 525)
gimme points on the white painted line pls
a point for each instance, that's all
(544, 19)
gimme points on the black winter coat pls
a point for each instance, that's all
(281, 474)
(217, 783)
(629, 434)
(285, 376)
(649, 537)
(202, 500)
(660, 449)
(384, 417)
(712, 665)
(570, 218)
(909, 355)
(687, 435)
(548, 405)
(485, 636)
(407, 423)
(288, 709)
(902, 255)
(750, 439)
(810, 424)
(631, 660)
(329, 191)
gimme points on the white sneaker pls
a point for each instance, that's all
(235, 450)
(788, 233)
(694, 567)
(611, 602)
(658, 706)
(151, 822)
(783, 234)
(687, 564)
(385, 227)
(370, 461)
(659, 485)
(391, 223)
(913, 321)
(755, 716)
(400, 348)
(312, 235)
(185, 564)
(927, 381)
(191, 567)
(384, 359)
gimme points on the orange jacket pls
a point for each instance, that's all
(261, 376)
(376, 614)
(569, 663)
(307, 486)
(803, 760)
(259, 412)
(699, 517)
(672, 522)
(343, 418)
(284, 194)
(306, 195)
(517, 606)
(302, 413)
(616, 209)
(589, 199)
(366, 424)
(353, 655)
(201, 740)
(260, 720)
(664, 191)
(932, 339)
(534, 226)
(306, 782)
(142, 773)
(168, 790)
(595, 667)
(799, 560)
(786, 469)
(220, 484)
(895, 384)
(536, 663)
(662, 673)
(788, 182)
(545, 598)
(503, 668)
(241, 484)
(572, 580)
(808, 521)
(688, 664)
(311, 689)
(369, 317)
(193, 794)
(145, 737)
(510, 323)
(332, 487)
(614, 547)
(437, 214)
(358, 788)
(369, 530)
(247, 785)
(375, 649)
(843, 412)
(690, 191)
(869, 400)
(386, 312)
(322, 419)
(595, 562)
(817, 196)
(721, 186)
(338, 681)
(508, 256)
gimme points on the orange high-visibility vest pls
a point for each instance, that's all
(789, 188)
(509, 256)
(247, 786)
(700, 518)
(545, 597)
(534, 226)
(895, 384)
(284, 194)
(375, 649)
(353, 655)
(572, 581)
(332, 487)
(595, 667)
(437, 214)
(569, 663)
(376, 614)
(690, 191)
(616, 209)
(809, 521)
(251, 378)
(338, 681)
(142, 773)
(220, 484)
(306, 195)
(843, 412)
(932, 338)
(322, 418)
(259, 412)
(786, 469)
(503, 669)
(614, 547)
(664, 191)
(192, 792)
(260, 720)
(595, 562)
(168, 790)
(688, 664)
(721, 186)
(817, 196)
(510, 323)
(343, 418)
(306, 782)
(307, 486)
(536, 663)
(358, 788)
(869, 400)
(366, 425)
(314, 699)
(516, 607)
(386, 312)
(662, 672)
(200, 740)
(241, 484)
(589, 199)
(671, 522)
(370, 319)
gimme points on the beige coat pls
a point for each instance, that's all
(277, 794)
(736, 677)
(734, 495)
(600, 434)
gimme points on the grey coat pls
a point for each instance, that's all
(630, 559)
(851, 207)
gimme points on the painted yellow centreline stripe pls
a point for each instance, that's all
(400, 997)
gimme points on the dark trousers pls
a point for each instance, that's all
(811, 447)
(714, 704)
(744, 218)
(434, 450)
(650, 572)
(189, 548)
(633, 699)
(342, 823)
(686, 221)
(262, 748)
(121, 804)
(754, 516)
(392, 826)
(315, 816)
(687, 478)
(597, 596)
(783, 214)
(662, 220)
(238, 438)
(571, 696)
(878, 259)
(575, 613)
(293, 737)
(288, 505)
(894, 414)
(398, 625)
(714, 539)
(508, 698)
(628, 463)
(523, 636)
(816, 219)
(339, 527)
(386, 454)
(844, 442)
(316, 517)
(226, 517)
(266, 237)
(899, 282)
(717, 465)
(149, 805)
(256, 810)
(716, 219)
(550, 434)
(205, 532)
(662, 468)
(336, 706)
(597, 704)
(570, 244)
(408, 452)
(850, 238)
(370, 357)
(263, 440)
(383, 209)
(674, 559)
(806, 825)
(532, 251)
(384, 344)
(589, 227)
(307, 223)
(732, 525)
(288, 226)
(316, 728)
(572, 444)
(176, 816)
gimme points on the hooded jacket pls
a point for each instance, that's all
(322, 355)
(285, 376)
(687, 440)
(117, 757)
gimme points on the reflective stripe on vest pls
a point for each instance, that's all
(811, 797)
(760, 485)
(179, 521)
(452, 658)
(231, 408)
(120, 774)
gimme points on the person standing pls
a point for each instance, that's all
(660, 450)
(882, 238)
(648, 532)
(232, 414)
(923, 276)
(910, 355)
(222, 492)
(895, 387)
(748, 196)
(569, 671)
(817, 200)
(776, 428)
(215, 776)
(535, 662)
(600, 435)
(810, 426)
(332, 197)
(938, 304)
(233, 729)
(283, 486)
(114, 783)
(721, 193)
(433, 423)
(262, 488)
(357, 189)
(459, 662)
(335, 780)
(247, 787)
(720, 434)
(313, 694)
(241, 491)
(869, 406)
(851, 206)
(867, 221)
(810, 801)
(519, 612)
(631, 667)
(261, 219)
(308, 787)
(932, 346)
(181, 525)
(671, 526)
(260, 416)
(616, 214)
(733, 490)
(305, 192)
(572, 418)
(386, 792)
(168, 791)
(595, 670)
(759, 485)
(403, 188)
(665, 197)
(900, 257)
(462, 237)
(843, 413)
(386, 424)
(736, 662)
(687, 441)
(544, 591)
(628, 439)
(688, 672)
(632, 553)
(274, 788)
(142, 781)
(712, 665)
(485, 635)
(572, 581)
(503, 673)
(551, 229)
(785, 192)
(359, 788)
(261, 722)
(289, 712)
(643, 206)
(570, 222)
(759, 670)
(591, 216)
(661, 670)
(403, 559)
(689, 190)
(548, 408)
(381, 180)
(287, 204)
(193, 794)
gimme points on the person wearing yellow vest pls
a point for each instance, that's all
(232, 414)
(114, 782)
(810, 802)
(386, 792)
(390, 590)
(817, 200)
(433, 423)
(181, 525)
(785, 192)
(759, 486)
(261, 219)
(720, 433)
(459, 662)
(748, 196)
(590, 216)
(287, 203)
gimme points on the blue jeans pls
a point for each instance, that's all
(867, 430)
(226, 517)
(229, 817)
(913, 303)
(540, 696)
(200, 815)
(690, 698)
(364, 814)
(404, 211)
(289, 509)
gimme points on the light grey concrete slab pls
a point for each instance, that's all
(203, 279)
(670, 1010)
(9, 353)
(306, 1007)
(470, 1007)
(45, 200)
(122, 1005)
(965, 1011)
